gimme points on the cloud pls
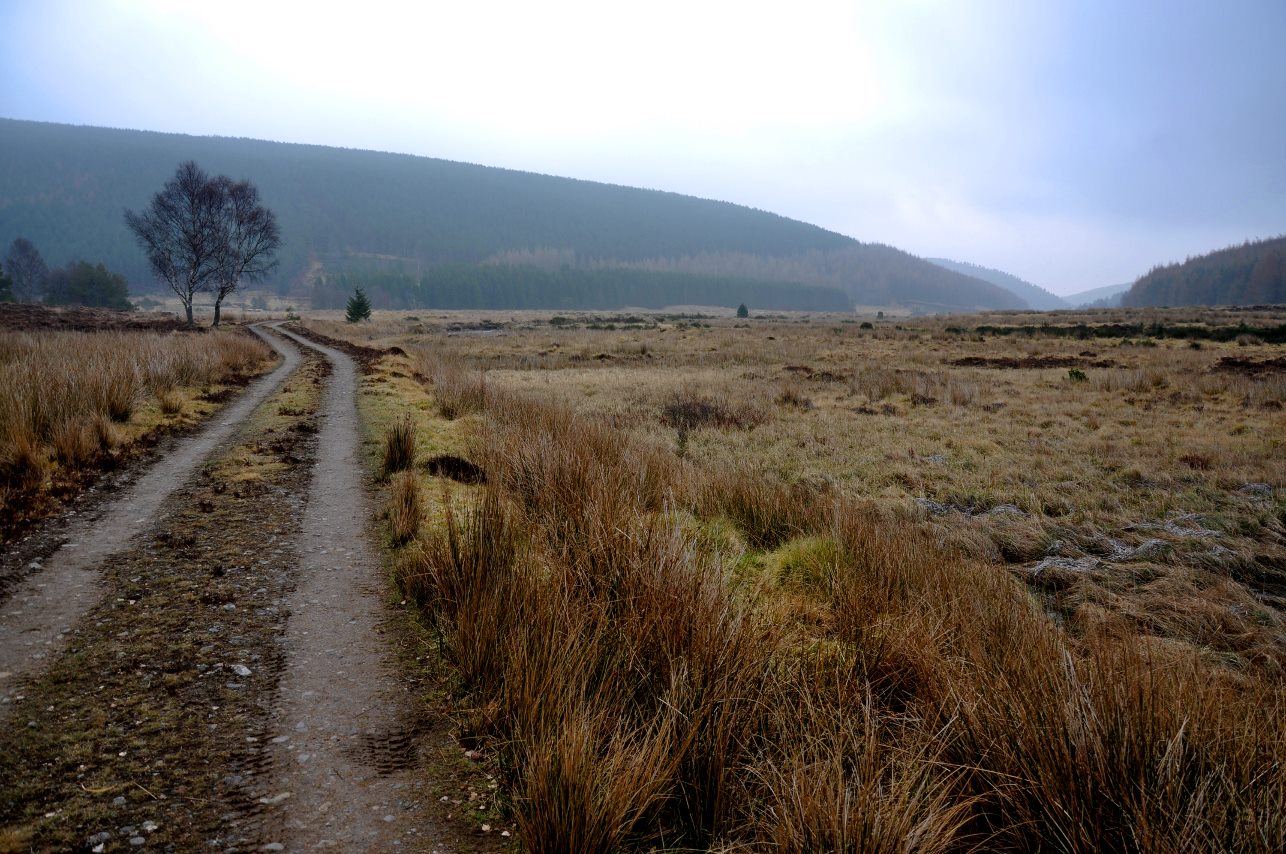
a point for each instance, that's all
(1069, 142)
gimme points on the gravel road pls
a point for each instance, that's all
(47, 604)
(348, 764)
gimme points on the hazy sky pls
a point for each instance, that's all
(1073, 143)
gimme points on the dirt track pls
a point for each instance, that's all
(347, 754)
(210, 665)
(35, 618)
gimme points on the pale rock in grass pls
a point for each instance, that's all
(1083, 564)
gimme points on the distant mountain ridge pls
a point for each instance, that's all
(351, 212)
(1253, 273)
(1108, 296)
(1033, 295)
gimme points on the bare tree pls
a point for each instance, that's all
(248, 239)
(27, 269)
(181, 233)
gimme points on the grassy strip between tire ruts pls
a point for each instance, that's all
(152, 723)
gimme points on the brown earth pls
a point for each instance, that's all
(1028, 362)
(26, 316)
(366, 357)
(1251, 367)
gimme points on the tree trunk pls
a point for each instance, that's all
(188, 307)
(217, 304)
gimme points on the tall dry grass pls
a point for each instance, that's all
(399, 446)
(457, 390)
(639, 697)
(405, 508)
(61, 391)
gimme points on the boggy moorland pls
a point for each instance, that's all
(819, 583)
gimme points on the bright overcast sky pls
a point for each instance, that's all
(1074, 143)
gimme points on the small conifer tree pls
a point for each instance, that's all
(358, 308)
(742, 311)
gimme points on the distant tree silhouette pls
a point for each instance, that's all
(206, 234)
(6, 287)
(27, 270)
(742, 311)
(1249, 274)
(180, 232)
(1266, 279)
(248, 239)
(82, 283)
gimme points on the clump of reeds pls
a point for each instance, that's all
(399, 446)
(405, 509)
(120, 389)
(106, 433)
(767, 512)
(687, 411)
(793, 399)
(22, 463)
(464, 575)
(170, 401)
(75, 444)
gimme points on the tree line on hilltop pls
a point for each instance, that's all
(505, 286)
(1253, 273)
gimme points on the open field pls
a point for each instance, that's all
(81, 391)
(817, 584)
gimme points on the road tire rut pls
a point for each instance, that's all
(153, 721)
(43, 608)
(214, 663)
(348, 757)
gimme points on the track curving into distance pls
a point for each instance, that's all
(35, 619)
(347, 758)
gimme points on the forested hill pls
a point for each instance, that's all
(1249, 274)
(1108, 296)
(1034, 295)
(355, 213)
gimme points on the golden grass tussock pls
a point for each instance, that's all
(399, 446)
(767, 512)
(22, 460)
(457, 391)
(106, 433)
(1073, 643)
(405, 508)
(170, 400)
(75, 444)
